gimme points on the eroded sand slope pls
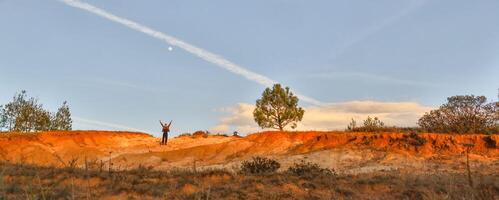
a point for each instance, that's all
(346, 152)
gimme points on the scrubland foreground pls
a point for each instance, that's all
(33, 182)
(123, 165)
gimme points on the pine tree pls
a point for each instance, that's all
(277, 108)
(62, 119)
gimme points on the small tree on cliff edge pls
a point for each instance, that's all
(26, 114)
(62, 119)
(277, 108)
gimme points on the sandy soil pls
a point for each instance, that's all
(349, 153)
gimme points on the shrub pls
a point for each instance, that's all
(463, 114)
(308, 169)
(352, 126)
(259, 165)
(489, 142)
(200, 134)
(186, 172)
(370, 125)
(373, 123)
(222, 134)
(414, 139)
(184, 135)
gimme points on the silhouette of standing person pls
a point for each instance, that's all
(166, 129)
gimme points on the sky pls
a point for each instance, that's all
(395, 59)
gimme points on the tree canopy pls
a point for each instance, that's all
(278, 108)
(62, 118)
(463, 114)
(26, 114)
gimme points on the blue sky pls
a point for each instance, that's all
(333, 51)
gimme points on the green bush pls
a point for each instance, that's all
(309, 170)
(414, 139)
(185, 135)
(369, 125)
(200, 134)
(221, 134)
(463, 114)
(489, 142)
(259, 165)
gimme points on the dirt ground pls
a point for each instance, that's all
(345, 152)
(367, 165)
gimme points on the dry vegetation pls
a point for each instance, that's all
(366, 166)
(34, 182)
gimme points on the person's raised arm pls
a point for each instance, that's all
(161, 123)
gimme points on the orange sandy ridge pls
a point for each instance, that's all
(130, 149)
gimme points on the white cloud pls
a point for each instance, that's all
(240, 119)
(328, 117)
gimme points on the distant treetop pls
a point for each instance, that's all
(463, 114)
(26, 114)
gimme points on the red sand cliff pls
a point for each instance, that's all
(129, 149)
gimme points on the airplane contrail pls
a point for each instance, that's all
(199, 52)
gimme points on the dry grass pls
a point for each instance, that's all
(33, 182)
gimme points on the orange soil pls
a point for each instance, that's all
(54, 148)
(127, 149)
